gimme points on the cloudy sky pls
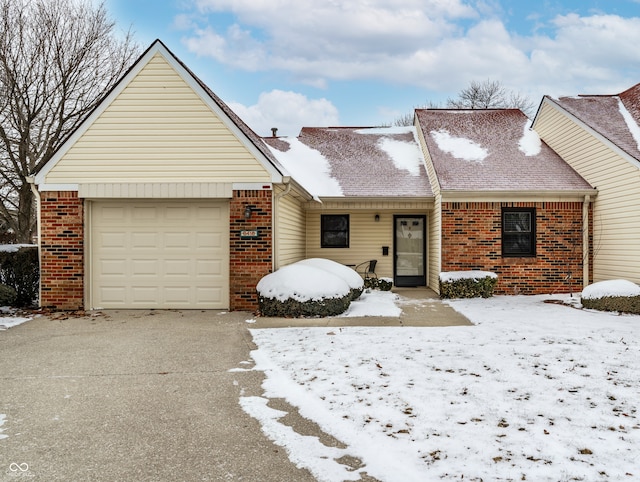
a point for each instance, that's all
(289, 63)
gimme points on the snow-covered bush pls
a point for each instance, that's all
(313, 287)
(613, 295)
(353, 279)
(382, 284)
(467, 284)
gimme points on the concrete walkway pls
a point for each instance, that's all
(151, 395)
(420, 307)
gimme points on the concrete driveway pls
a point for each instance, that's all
(149, 395)
(133, 395)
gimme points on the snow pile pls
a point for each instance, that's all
(632, 125)
(530, 143)
(475, 275)
(353, 279)
(310, 280)
(533, 391)
(14, 248)
(309, 167)
(604, 289)
(8, 318)
(459, 147)
(3, 418)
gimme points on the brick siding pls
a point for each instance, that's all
(250, 258)
(472, 239)
(62, 251)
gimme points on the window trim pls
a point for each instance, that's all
(532, 233)
(323, 230)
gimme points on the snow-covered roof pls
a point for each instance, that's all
(355, 161)
(616, 117)
(493, 150)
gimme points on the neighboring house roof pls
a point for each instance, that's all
(355, 161)
(245, 134)
(493, 150)
(615, 117)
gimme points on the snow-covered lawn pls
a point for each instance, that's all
(535, 391)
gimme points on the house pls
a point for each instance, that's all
(164, 198)
(598, 135)
(485, 194)
(372, 197)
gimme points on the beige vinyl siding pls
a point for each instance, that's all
(157, 130)
(616, 215)
(366, 238)
(434, 227)
(290, 228)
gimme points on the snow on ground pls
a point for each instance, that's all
(8, 319)
(534, 391)
(3, 418)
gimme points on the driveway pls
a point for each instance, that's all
(151, 395)
(133, 395)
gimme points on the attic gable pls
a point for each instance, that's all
(160, 124)
(616, 118)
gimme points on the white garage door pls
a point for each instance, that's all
(150, 254)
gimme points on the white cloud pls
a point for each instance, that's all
(288, 111)
(440, 45)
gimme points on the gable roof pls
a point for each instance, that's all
(615, 117)
(355, 161)
(245, 135)
(493, 150)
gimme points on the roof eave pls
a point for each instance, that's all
(519, 195)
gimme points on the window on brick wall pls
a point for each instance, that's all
(334, 230)
(518, 232)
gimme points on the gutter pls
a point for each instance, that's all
(275, 221)
(32, 184)
(585, 241)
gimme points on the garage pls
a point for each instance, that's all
(158, 254)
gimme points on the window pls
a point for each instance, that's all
(518, 232)
(334, 231)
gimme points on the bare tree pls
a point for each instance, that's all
(57, 58)
(407, 119)
(490, 94)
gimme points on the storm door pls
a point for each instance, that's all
(409, 251)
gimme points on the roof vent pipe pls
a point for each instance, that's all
(274, 132)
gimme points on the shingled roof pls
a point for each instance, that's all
(355, 161)
(616, 117)
(493, 150)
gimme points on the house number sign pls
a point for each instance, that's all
(249, 234)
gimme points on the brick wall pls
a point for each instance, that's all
(250, 257)
(62, 251)
(472, 239)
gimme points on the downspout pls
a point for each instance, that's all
(275, 222)
(585, 240)
(32, 184)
